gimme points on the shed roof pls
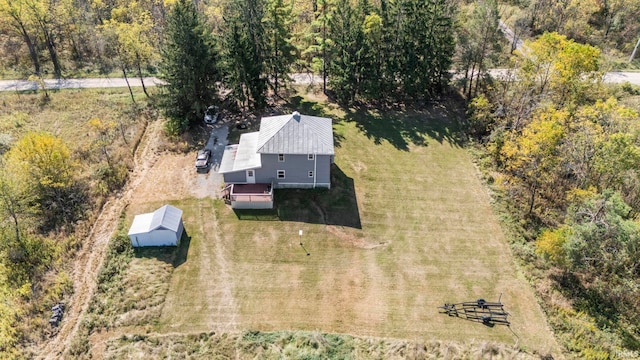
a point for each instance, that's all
(242, 156)
(141, 224)
(167, 217)
(295, 134)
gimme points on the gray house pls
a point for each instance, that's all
(289, 151)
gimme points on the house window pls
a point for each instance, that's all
(310, 174)
(280, 174)
(311, 156)
(250, 173)
(281, 157)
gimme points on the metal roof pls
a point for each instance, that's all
(141, 224)
(295, 134)
(166, 217)
(243, 156)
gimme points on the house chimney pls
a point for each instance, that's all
(296, 115)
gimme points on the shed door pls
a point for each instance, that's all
(251, 177)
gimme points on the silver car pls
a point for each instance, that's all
(202, 160)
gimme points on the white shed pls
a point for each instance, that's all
(162, 227)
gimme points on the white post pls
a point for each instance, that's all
(633, 54)
(300, 233)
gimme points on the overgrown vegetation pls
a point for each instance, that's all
(131, 288)
(301, 345)
(567, 153)
(47, 188)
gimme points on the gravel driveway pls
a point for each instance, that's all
(211, 183)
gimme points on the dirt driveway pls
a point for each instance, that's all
(174, 177)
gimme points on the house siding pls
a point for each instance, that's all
(239, 177)
(296, 169)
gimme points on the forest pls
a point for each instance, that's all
(558, 146)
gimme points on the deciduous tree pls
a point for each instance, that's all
(129, 32)
(45, 169)
(532, 157)
(559, 68)
(479, 42)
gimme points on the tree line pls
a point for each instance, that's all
(394, 50)
(566, 149)
(382, 50)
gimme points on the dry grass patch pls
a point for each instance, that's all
(66, 113)
(132, 285)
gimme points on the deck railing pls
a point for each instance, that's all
(252, 198)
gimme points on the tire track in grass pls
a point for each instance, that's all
(201, 293)
(227, 308)
(89, 259)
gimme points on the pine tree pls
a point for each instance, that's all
(420, 46)
(244, 52)
(188, 66)
(280, 52)
(344, 49)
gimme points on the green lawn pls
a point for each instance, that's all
(406, 227)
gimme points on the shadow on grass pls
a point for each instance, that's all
(174, 255)
(406, 126)
(335, 206)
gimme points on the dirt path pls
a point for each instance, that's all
(90, 258)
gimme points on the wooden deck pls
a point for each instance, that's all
(249, 196)
(251, 189)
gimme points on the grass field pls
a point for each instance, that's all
(66, 113)
(407, 226)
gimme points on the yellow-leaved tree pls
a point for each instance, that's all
(45, 170)
(532, 157)
(559, 68)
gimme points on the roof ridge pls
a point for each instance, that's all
(275, 131)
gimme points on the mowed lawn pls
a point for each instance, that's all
(407, 227)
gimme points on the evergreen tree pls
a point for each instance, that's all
(344, 51)
(280, 52)
(311, 40)
(371, 80)
(422, 45)
(188, 66)
(244, 52)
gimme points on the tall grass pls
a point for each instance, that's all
(301, 345)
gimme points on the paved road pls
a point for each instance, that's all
(509, 34)
(614, 77)
(23, 85)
